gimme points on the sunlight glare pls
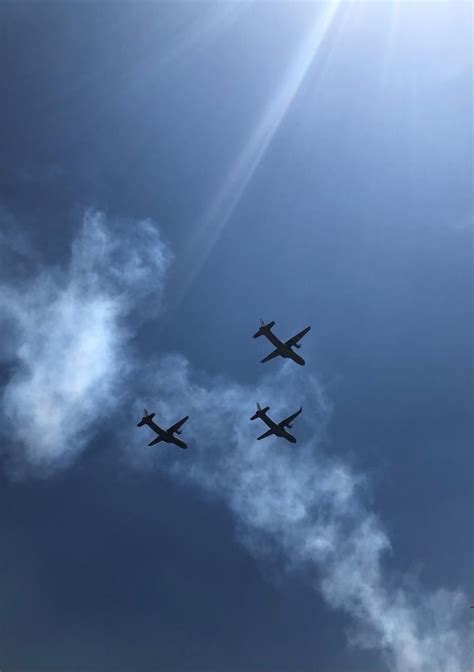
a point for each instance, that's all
(247, 162)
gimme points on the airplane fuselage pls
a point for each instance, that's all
(163, 434)
(283, 349)
(277, 430)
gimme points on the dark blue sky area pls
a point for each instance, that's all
(357, 220)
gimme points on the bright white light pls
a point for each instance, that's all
(247, 162)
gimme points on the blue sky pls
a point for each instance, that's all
(170, 174)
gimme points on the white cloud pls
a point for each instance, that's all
(308, 505)
(67, 337)
(68, 332)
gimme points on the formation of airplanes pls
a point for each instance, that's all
(280, 429)
(282, 349)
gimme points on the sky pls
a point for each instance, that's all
(170, 174)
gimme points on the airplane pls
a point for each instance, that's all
(275, 428)
(163, 434)
(284, 349)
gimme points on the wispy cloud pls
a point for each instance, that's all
(66, 336)
(308, 505)
(68, 351)
(16, 253)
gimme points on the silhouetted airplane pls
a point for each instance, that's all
(163, 434)
(284, 349)
(275, 428)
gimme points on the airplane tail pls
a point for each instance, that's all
(260, 411)
(263, 327)
(146, 416)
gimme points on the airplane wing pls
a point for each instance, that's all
(273, 354)
(265, 434)
(157, 440)
(177, 425)
(287, 421)
(294, 339)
